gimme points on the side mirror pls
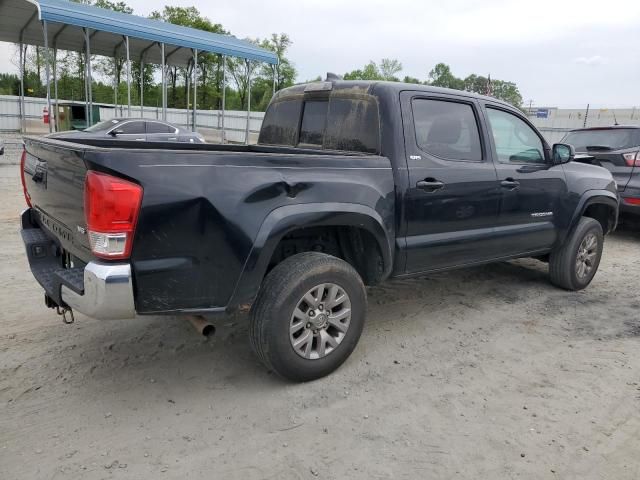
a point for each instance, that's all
(115, 132)
(562, 153)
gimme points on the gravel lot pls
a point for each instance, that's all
(485, 373)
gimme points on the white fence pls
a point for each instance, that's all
(553, 122)
(208, 122)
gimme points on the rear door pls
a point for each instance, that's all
(453, 195)
(532, 188)
(133, 130)
(161, 132)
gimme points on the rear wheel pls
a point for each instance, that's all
(308, 316)
(574, 265)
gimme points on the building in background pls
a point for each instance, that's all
(554, 122)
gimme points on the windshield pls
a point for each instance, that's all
(102, 126)
(606, 139)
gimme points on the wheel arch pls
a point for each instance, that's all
(601, 205)
(284, 220)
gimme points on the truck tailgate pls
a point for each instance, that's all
(54, 174)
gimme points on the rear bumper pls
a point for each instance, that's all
(98, 289)
(108, 292)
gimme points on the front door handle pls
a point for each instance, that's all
(510, 184)
(430, 185)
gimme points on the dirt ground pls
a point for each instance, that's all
(486, 373)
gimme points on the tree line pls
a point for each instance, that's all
(440, 76)
(109, 85)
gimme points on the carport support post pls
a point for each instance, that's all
(195, 89)
(47, 71)
(164, 84)
(126, 41)
(246, 135)
(55, 86)
(141, 87)
(22, 55)
(224, 91)
(89, 79)
(274, 80)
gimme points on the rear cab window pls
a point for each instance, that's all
(336, 121)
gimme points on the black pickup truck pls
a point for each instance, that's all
(351, 183)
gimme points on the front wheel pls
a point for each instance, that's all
(308, 316)
(574, 265)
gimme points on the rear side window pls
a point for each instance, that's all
(156, 127)
(447, 129)
(336, 123)
(280, 124)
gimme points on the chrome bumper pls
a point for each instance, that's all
(108, 292)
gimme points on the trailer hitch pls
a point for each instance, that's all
(67, 315)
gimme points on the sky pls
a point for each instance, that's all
(564, 53)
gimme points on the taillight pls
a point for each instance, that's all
(23, 159)
(632, 159)
(631, 201)
(111, 207)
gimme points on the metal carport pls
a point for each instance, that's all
(63, 25)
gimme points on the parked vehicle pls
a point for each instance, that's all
(617, 149)
(351, 183)
(137, 129)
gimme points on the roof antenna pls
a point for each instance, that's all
(332, 77)
(614, 117)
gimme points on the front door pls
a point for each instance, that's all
(533, 188)
(453, 195)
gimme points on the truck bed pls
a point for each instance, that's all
(204, 206)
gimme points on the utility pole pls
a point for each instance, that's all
(586, 114)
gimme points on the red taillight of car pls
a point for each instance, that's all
(632, 159)
(23, 159)
(111, 207)
(631, 201)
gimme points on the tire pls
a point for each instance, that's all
(564, 269)
(284, 291)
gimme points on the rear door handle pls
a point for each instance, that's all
(430, 185)
(510, 184)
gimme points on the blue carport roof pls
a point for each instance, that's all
(109, 27)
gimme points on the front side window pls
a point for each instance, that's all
(515, 140)
(447, 129)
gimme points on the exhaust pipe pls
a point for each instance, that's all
(202, 326)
